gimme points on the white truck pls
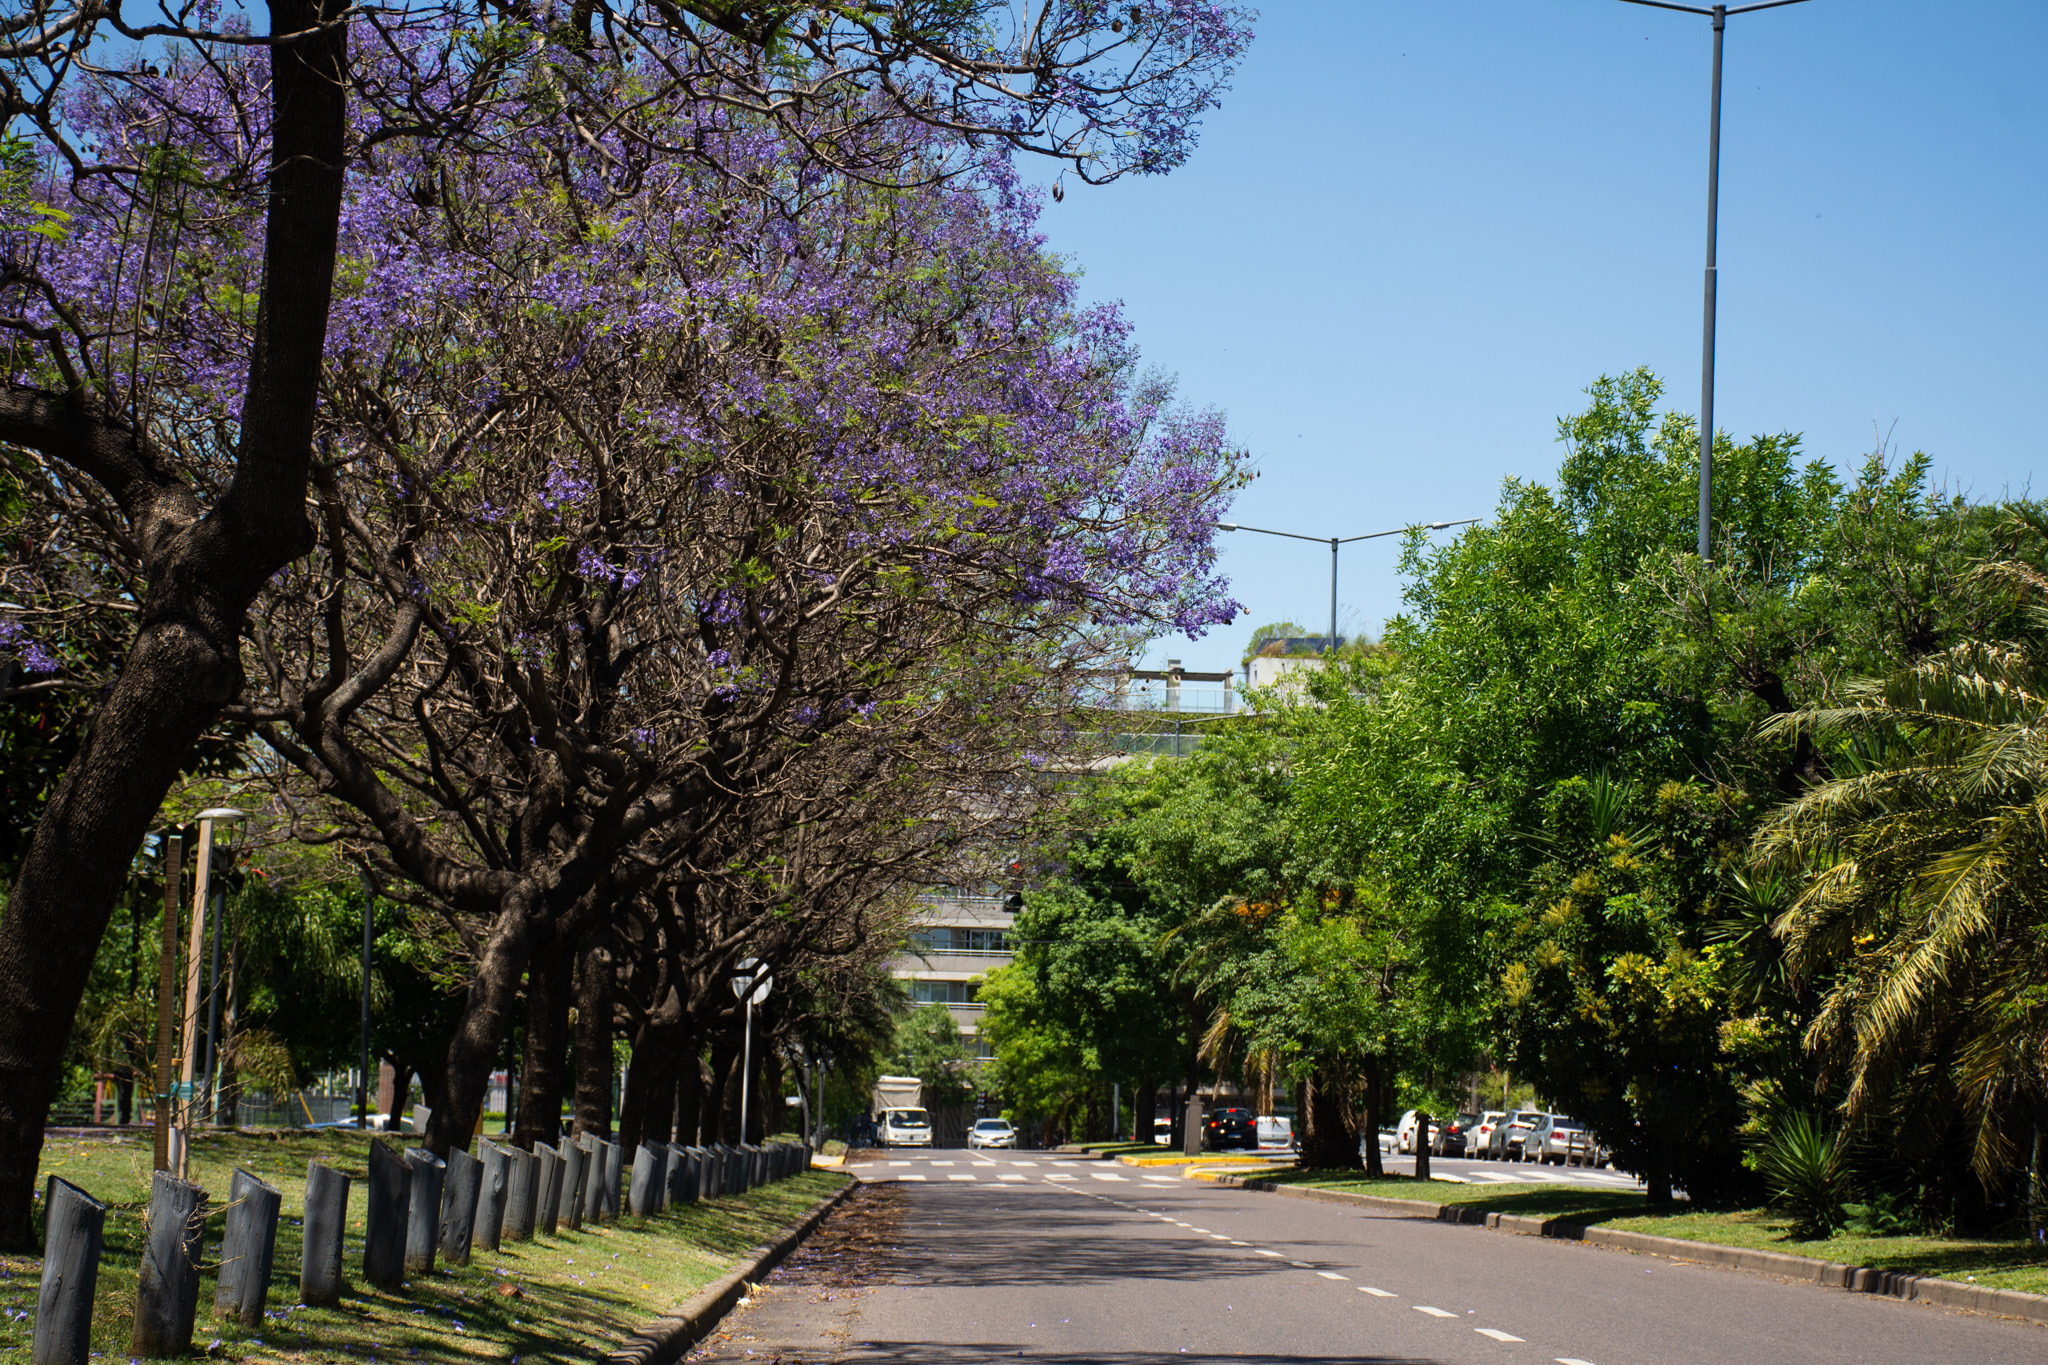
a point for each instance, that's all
(900, 1119)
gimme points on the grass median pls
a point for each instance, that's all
(1997, 1263)
(563, 1298)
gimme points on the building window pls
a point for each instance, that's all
(944, 992)
(985, 942)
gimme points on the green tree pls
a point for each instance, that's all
(929, 1047)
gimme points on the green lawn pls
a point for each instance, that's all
(2001, 1264)
(565, 1298)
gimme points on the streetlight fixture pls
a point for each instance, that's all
(202, 876)
(750, 983)
(1333, 542)
(1719, 14)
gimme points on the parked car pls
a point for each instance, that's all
(1480, 1133)
(905, 1128)
(1162, 1132)
(1404, 1135)
(1450, 1138)
(1275, 1133)
(1511, 1133)
(1550, 1141)
(991, 1133)
(1230, 1126)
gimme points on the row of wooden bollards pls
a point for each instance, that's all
(419, 1206)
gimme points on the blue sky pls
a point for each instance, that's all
(1415, 232)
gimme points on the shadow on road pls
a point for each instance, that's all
(961, 1353)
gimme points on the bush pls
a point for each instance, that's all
(1803, 1165)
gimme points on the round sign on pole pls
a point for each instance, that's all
(751, 983)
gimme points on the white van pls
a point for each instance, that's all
(905, 1128)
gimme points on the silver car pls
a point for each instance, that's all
(992, 1133)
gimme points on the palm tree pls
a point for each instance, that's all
(1924, 909)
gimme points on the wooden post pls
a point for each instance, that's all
(459, 1206)
(522, 1194)
(595, 1154)
(167, 1296)
(248, 1245)
(575, 1177)
(494, 1184)
(73, 1223)
(166, 984)
(640, 1197)
(326, 1220)
(614, 1161)
(423, 1210)
(682, 1174)
(384, 1222)
(550, 1187)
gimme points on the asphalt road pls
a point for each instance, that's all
(966, 1257)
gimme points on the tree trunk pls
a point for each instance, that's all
(203, 573)
(690, 1095)
(1375, 1116)
(594, 1035)
(721, 1096)
(547, 1043)
(401, 1090)
(1144, 1107)
(1331, 1143)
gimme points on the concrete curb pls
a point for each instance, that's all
(664, 1340)
(2010, 1303)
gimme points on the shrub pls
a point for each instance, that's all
(1803, 1165)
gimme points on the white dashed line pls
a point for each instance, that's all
(1192, 1228)
(1240, 1244)
(1332, 1275)
(1219, 1237)
(1061, 1177)
(982, 1163)
(1007, 1176)
(1433, 1312)
(1264, 1252)
(959, 1177)
(1376, 1293)
(1104, 1175)
(1572, 1360)
(899, 1163)
(1023, 1163)
(945, 1163)
(1495, 1333)
(911, 1177)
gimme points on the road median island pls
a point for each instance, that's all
(576, 1296)
(1591, 1225)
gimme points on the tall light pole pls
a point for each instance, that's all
(1334, 542)
(1719, 14)
(363, 1044)
(751, 983)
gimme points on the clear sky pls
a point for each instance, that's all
(1416, 231)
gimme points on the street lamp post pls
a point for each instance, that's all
(1719, 14)
(751, 983)
(1334, 542)
(363, 1044)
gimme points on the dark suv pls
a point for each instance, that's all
(1230, 1127)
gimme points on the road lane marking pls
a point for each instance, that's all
(1192, 1228)
(1062, 1177)
(1103, 1175)
(945, 1163)
(959, 1177)
(899, 1163)
(1264, 1252)
(1433, 1312)
(983, 1163)
(1221, 1237)
(1007, 1176)
(1240, 1244)
(1302, 1265)
(1495, 1333)
(1023, 1163)
(911, 1177)
(1572, 1360)
(1332, 1275)
(1376, 1293)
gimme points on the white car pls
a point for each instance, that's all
(905, 1128)
(991, 1133)
(1481, 1133)
(1404, 1136)
(1275, 1133)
